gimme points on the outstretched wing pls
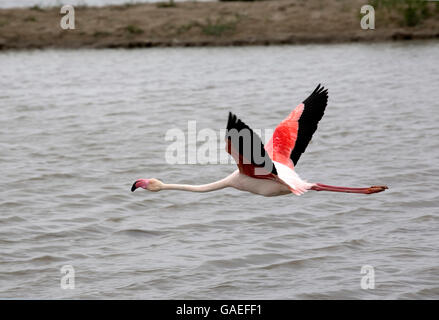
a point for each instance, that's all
(247, 149)
(293, 134)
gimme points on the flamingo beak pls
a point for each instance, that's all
(141, 183)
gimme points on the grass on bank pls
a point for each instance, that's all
(37, 8)
(216, 28)
(170, 4)
(30, 19)
(133, 29)
(410, 12)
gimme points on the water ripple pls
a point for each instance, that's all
(73, 142)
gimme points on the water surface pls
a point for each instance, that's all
(78, 127)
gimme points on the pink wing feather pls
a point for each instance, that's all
(293, 134)
(284, 138)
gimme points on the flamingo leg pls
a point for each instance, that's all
(324, 187)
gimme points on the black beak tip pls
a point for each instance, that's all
(134, 187)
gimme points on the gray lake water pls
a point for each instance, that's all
(78, 127)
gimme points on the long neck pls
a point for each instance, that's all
(217, 185)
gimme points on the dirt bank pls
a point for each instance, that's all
(212, 24)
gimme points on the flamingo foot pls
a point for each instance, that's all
(376, 189)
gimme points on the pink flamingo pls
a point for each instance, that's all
(269, 170)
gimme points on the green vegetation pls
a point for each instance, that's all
(130, 4)
(215, 28)
(218, 28)
(36, 8)
(411, 12)
(188, 26)
(99, 34)
(30, 19)
(132, 29)
(170, 4)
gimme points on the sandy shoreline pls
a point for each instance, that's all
(209, 24)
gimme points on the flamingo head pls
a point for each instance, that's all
(148, 184)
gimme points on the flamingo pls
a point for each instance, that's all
(268, 170)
